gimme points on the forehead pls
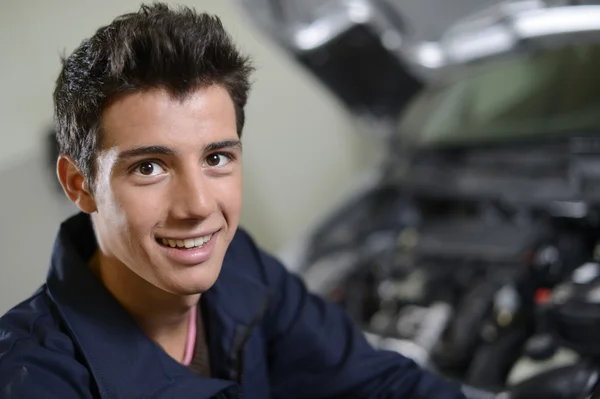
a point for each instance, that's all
(155, 117)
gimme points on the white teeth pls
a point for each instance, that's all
(188, 243)
(202, 240)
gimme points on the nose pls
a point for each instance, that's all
(193, 198)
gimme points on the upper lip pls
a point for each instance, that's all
(187, 237)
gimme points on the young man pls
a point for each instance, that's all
(153, 292)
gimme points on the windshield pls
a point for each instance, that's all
(555, 91)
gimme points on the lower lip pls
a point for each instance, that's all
(192, 256)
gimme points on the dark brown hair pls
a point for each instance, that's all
(176, 49)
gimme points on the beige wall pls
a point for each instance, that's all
(301, 150)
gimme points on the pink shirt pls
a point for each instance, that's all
(191, 339)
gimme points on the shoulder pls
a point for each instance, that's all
(257, 263)
(242, 243)
(33, 347)
(25, 321)
(34, 323)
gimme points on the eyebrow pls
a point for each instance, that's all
(162, 150)
(221, 145)
(146, 150)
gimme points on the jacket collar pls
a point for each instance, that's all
(124, 362)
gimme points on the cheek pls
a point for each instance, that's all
(109, 208)
(228, 192)
(139, 208)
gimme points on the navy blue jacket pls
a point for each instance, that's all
(268, 338)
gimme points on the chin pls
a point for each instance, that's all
(194, 284)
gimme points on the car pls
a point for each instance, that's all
(488, 201)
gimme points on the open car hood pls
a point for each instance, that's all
(373, 55)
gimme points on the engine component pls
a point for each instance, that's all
(500, 243)
(570, 382)
(574, 311)
(541, 347)
(528, 366)
(414, 332)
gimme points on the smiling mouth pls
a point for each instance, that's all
(190, 243)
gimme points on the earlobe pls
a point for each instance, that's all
(74, 184)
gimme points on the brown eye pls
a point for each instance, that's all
(213, 160)
(217, 160)
(148, 169)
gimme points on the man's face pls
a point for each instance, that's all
(168, 187)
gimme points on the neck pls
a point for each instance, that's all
(162, 316)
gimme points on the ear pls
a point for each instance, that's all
(74, 185)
